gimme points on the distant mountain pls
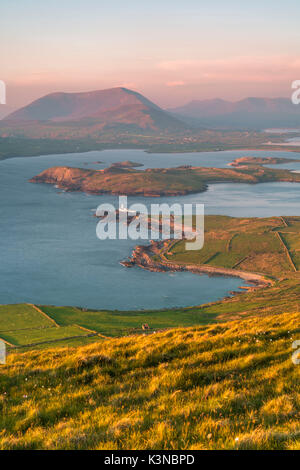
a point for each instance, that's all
(250, 113)
(5, 110)
(114, 107)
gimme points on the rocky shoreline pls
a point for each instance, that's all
(144, 257)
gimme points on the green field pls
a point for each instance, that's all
(247, 244)
(26, 325)
(22, 317)
(33, 336)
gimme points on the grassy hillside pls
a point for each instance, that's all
(226, 386)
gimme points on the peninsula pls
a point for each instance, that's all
(259, 251)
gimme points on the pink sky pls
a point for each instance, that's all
(170, 51)
(171, 82)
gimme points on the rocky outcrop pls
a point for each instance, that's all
(67, 178)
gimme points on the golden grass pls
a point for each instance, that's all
(226, 386)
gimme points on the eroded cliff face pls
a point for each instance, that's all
(60, 173)
(65, 177)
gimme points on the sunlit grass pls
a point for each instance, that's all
(224, 386)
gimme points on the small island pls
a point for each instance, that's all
(242, 161)
(126, 164)
(155, 182)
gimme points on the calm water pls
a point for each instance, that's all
(49, 252)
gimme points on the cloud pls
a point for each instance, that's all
(175, 83)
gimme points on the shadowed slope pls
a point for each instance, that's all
(252, 113)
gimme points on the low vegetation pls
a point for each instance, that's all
(158, 181)
(261, 245)
(20, 141)
(226, 386)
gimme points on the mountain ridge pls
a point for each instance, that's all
(251, 112)
(113, 106)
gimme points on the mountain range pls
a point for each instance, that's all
(249, 113)
(123, 110)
